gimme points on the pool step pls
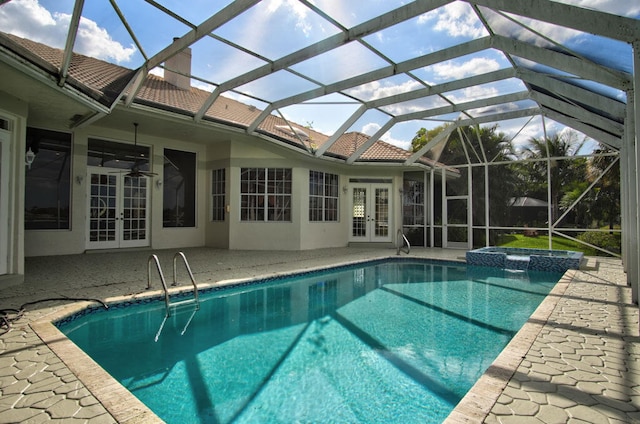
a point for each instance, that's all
(589, 264)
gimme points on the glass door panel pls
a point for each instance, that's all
(118, 206)
(370, 213)
(102, 210)
(134, 211)
(359, 218)
(381, 214)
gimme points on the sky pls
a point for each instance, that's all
(281, 27)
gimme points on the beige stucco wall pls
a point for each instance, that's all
(262, 235)
(214, 150)
(73, 241)
(16, 112)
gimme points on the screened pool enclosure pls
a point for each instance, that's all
(510, 119)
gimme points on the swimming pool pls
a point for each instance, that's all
(393, 341)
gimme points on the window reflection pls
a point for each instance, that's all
(47, 183)
(179, 184)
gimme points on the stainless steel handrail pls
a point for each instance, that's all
(193, 280)
(401, 241)
(154, 258)
(167, 300)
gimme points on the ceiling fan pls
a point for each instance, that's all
(135, 170)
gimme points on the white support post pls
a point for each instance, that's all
(443, 232)
(469, 207)
(625, 224)
(426, 179)
(633, 108)
(487, 215)
(629, 199)
(550, 205)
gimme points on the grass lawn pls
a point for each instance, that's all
(542, 242)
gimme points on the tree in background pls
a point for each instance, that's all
(564, 174)
(605, 204)
(471, 145)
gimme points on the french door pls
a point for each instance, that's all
(118, 207)
(370, 213)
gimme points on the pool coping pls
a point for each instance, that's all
(475, 406)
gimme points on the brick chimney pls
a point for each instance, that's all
(180, 62)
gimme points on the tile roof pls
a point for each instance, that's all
(104, 81)
(100, 80)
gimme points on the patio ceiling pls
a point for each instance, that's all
(496, 60)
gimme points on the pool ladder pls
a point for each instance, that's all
(167, 300)
(401, 241)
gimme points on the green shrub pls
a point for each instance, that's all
(610, 242)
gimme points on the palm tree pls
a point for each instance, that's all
(476, 144)
(606, 201)
(556, 148)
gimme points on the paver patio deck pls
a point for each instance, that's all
(577, 360)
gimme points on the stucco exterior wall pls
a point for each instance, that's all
(214, 150)
(15, 111)
(73, 241)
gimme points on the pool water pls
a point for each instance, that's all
(382, 342)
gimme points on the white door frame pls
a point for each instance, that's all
(446, 243)
(114, 213)
(375, 217)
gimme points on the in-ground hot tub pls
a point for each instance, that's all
(525, 259)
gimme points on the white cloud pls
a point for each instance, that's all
(473, 93)
(202, 86)
(298, 12)
(456, 19)
(376, 90)
(157, 71)
(476, 66)
(527, 30)
(29, 19)
(371, 128)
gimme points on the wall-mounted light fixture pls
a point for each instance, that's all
(158, 183)
(79, 179)
(345, 189)
(29, 157)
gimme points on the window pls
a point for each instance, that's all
(265, 194)
(217, 195)
(111, 154)
(323, 196)
(48, 182)
(179, 185)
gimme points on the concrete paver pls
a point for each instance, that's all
(577, 360)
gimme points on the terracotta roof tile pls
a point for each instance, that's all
(104, 81)
(101, 80)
